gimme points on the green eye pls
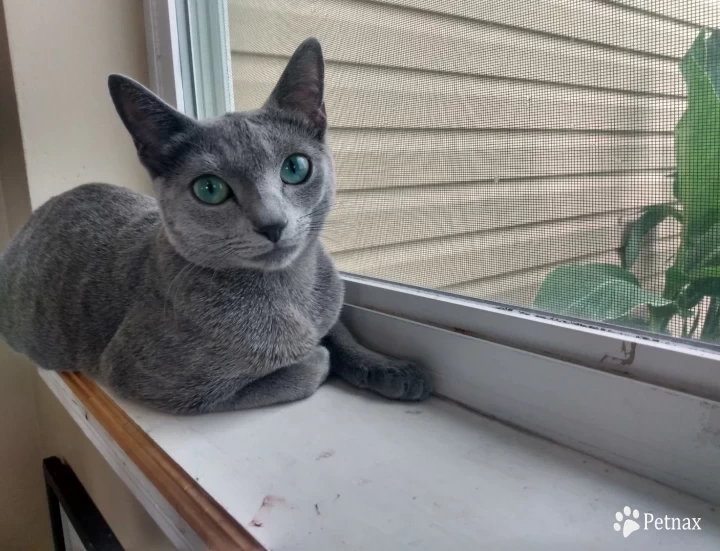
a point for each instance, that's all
(211, 190)
(295, 169)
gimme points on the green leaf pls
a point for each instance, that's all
(675, 280)
(693, 327)
(593, 291)
(636, 231)
(697, 143)
(685, 299)
(711, 328)
(694, 293)
(661, 315)
(691, 296)
(712, 59)
(676, 184)
(700, 251)
(686, 294)
(705, 273)
(697, 52)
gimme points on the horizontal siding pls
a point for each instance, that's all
(588, 20)
(480, 144)
(409, 40)
(692, 12)
(422, 213)
(389, 159)
(467, 257)
(388, 98)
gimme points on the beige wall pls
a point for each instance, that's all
(62, 53)
(58, 129)
(4, 228)
(23, 515)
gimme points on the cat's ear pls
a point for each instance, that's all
(300, 88)
(155, 126)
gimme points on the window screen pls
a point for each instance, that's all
(520, 151)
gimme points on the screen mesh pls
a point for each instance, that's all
(500, 149)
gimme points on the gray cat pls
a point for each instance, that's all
(217, 296)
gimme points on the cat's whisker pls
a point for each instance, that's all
(320, 211)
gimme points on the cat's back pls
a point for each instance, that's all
(77, 226)
(60, 273)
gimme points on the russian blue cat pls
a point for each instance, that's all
(218, 295)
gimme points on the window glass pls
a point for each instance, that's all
(556, 154)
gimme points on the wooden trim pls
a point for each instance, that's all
(213, 525)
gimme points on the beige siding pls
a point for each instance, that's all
(480, 144)
(696, 12)
(379, 97)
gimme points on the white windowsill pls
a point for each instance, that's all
(347, 470)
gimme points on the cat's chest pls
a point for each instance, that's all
(277, 314)
(261, 323)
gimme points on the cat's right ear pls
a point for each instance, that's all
(300, 88)
(155, 127)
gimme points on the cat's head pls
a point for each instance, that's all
(248, 189)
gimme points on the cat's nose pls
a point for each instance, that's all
(273, 232)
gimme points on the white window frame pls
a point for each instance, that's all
(641, 401)
(176, 33)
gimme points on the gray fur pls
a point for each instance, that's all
(185, 306)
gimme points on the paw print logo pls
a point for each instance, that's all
(626, 522)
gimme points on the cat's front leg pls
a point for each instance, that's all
(363, 368)
(286, 384)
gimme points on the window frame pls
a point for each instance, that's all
(669, 363)
(208, 39)
(658, 379)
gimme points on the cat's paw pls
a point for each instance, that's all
(400, 380)
(311, 373)
(317, 366)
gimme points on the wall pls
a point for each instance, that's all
(59, 129)
(23, 524)
(480, 144)
(71, 133)
(4, 227)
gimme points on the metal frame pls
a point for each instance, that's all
(670, 363)
(210, 54)
(643, 402)
(185, 51)
(163, 51)
(189, 54)
(64, 489)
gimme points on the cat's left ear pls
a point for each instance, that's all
(301, 86)
(155, 126)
